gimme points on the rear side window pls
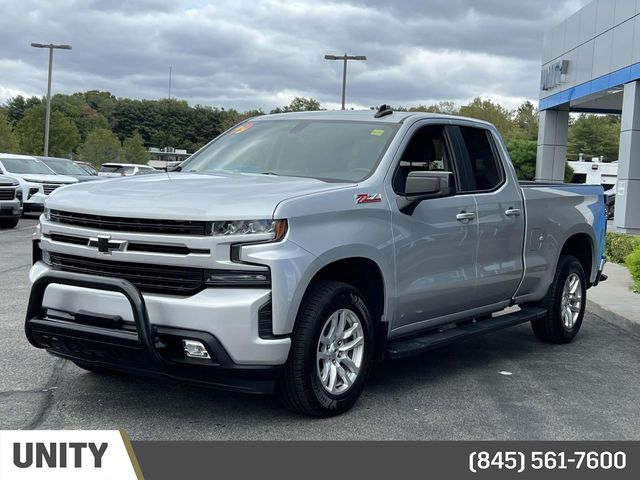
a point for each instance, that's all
(484, 170)
(111, 169)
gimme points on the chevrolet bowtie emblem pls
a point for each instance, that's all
(104, 244)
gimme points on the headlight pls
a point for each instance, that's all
(47, 214)
(19, 193)
(277, 228)
(238, 278)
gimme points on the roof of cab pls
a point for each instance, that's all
(363, 116)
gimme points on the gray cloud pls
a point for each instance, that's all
(250, 54)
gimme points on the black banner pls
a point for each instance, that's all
(388, 460)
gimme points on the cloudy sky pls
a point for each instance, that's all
(261, 53)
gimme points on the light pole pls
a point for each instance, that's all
(344, 58)
(50, 46)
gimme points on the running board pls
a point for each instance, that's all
(409, 347)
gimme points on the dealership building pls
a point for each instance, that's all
(591, 64)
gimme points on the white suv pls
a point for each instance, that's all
(36, 180)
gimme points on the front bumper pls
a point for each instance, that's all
(10, 208)
(144, 333)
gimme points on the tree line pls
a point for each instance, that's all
(97, 127)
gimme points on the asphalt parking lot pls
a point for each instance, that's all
(504, 385)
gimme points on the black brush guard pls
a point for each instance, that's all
(149, 350)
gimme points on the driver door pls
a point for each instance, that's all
(435, 246)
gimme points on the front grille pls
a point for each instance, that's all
(50, 187)
(134, 246)
(134, 225)
(7, 193)
(148, 278)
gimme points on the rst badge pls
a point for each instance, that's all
(367, 198)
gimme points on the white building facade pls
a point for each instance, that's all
(591, 64)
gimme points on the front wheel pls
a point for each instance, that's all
(331, 352)
(565, 303)
(9, 222)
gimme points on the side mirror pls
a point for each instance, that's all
(423, 186)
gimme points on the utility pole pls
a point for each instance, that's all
(345, 58)
(50, 46)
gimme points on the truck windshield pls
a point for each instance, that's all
(25, 165)
(343, 151)
(65, 167)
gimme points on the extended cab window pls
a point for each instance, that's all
(425, 152)
(483, 168)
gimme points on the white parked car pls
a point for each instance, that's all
(36, 180)
(124, 169)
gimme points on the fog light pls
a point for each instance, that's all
(194, 349)
(238, 278)
(46, 257)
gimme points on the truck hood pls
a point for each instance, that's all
(186, 196)
(43, 178)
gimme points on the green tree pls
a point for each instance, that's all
(17, 106)
(490, 112)
(133, 150)
(77, 109)
(299, 104)
(101, 146)
(523, 155)
(594, 136)
(448, 108)
(102, 102)
(63, 134)
(526, 121)
(8, 140)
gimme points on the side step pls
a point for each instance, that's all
(410, 347)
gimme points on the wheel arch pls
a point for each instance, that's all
(367, 276)
(581, 246)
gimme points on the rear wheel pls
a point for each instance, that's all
(565, 303)
(331, 352)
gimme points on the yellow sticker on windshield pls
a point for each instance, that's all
(241, 128)
(377, 132)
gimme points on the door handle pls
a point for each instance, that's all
(464, 216)
(512, 212)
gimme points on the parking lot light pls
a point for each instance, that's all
(344, 58)
(50, 46)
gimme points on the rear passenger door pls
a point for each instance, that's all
(500, 210)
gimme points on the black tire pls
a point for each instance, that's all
(300, 388)
(95, 369)
(9, 222)
(551, 328)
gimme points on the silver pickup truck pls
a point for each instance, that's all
(294, 250)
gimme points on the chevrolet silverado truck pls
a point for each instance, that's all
(294, 250)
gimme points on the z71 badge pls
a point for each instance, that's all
(366, 198)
